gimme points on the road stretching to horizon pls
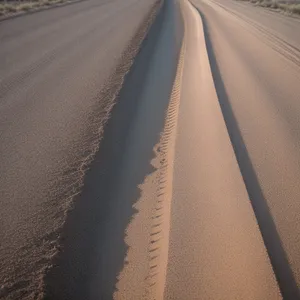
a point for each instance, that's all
(150, 150)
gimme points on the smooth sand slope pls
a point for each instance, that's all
(216, 250)
(255, 57)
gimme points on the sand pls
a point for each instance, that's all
(216, 248)
(163, 164)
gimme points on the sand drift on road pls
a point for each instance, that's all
(147, 190)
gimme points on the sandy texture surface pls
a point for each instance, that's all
(139, 211)
(178, 153)
(59, 72)
(216, 250)
(257, 74)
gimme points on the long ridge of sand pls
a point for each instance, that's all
(216, 250)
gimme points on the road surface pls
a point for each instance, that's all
(56, 76)
(163, 168)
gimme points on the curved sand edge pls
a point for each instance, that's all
(216, 249)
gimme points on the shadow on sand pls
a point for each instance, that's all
(94, 243)
(276, 252)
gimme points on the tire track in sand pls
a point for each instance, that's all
(159, 237)
(146, 236)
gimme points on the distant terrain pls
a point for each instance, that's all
(17, 7)
(289, 6)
